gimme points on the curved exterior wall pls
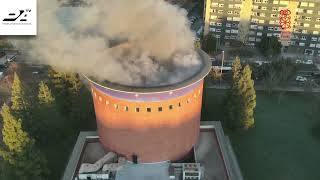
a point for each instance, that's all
(156, 126)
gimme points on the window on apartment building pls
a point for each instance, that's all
(315, 32)
(306, 25)
(212, 29)
(276, 34)
(235, 31)
(238, 6)
(312, 45)
(301, 44)
(303, 38)
(212, 23)
(274, 9)
(265, 1)
(304, 31)
(274, 15)
(258, 1)
(220, 11)
(214, 4)
(236, 12)
(252, 39)
(228, 24)
(236, 18)
(221, 5)
(284, 2)
(227, 31)
(218, 30)
(269, 34)
(255, 20)
(309, 11)
(219, 24)
(259, 33)
(258, 40)
(308, 18)
(311, 4)
(230, 12)
(275, 2)
(264, 8)
(230, 5)
(253, 26)
(304, 4)
(260, 27)
(318, 19)
(317, 26)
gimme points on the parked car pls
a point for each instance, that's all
(308, 62)
(301, 79)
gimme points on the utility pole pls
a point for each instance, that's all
(221, 67)
(222, 61)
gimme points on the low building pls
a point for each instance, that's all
(212, 158)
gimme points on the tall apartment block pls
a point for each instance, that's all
(295, 22)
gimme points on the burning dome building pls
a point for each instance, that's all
(157, 123)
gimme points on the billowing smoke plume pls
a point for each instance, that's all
(132, 42)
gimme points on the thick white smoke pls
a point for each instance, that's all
(157, 43)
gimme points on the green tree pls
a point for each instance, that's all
(269, 46)
(13, 135)
(248, 98)
(18, 95)
(233, 106)
(20, 151)
(209, 43)
(241, 99)
(45, 96)
(72, 97)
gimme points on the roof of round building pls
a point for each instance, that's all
(204, 70)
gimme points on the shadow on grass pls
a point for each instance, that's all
(315, 131)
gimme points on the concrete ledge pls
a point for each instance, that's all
(76, 154)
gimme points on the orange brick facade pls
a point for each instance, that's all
(154, 131)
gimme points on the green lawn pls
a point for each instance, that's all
(285, 142)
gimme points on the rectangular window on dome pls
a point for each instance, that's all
(171, 107)
(179, 104)
(116, 106)
(126, 108)
(137, 109)
(148, 109)
(159, 109)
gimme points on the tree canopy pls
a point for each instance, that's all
(241, 99)
(20, 152)
(209, 43)
(269, 46)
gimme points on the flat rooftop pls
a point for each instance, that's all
(212, 150)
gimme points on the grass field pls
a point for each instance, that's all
(285, 142)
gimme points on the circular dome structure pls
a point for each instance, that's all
(155, 123)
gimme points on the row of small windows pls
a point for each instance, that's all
(148, 109)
